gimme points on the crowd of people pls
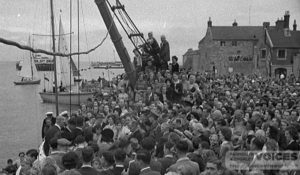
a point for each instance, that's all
(173, 121)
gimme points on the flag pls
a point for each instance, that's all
(46, 78)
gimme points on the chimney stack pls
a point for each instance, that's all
(286, 20)
(234, 24)
(209, 23)
(294, 26)
(266, 25)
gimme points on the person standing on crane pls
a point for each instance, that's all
(154, 50)
(164, 52)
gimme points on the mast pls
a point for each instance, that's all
(117, 40)
(54, 58)
(31, 62)
(78, 50)
(70, 56)
(31, 67)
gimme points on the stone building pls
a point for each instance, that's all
(283, 48)
(226, 49)
(265, 50)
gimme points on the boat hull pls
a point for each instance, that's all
(29, 82)
(100, 67)
(64, 97)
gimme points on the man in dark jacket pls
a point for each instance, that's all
(49, 116)
(147, 144)
(87, 157)
(168, 158)
(164, 52)
(53, 132)
(143, 158)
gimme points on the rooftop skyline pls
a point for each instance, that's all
(183, 22)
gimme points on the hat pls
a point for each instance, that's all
(49, 113)
(64, 113)
(63, 142)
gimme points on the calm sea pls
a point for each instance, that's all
(22, 111)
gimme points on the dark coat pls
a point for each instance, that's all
(88, 171)
(175, 67)
(118, 170)
(165, 51)
(54, 131)
(68, 134)
(53, 120)
(177, 95)
(166, 162)
(149, 171)
(293, 146)
(134, 168)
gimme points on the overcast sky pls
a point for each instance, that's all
(184, 22)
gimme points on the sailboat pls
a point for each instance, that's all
(65, 79)
(28, 72)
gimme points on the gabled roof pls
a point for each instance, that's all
(237, 32)
(191, 52)
(279, 40)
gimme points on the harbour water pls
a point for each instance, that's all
(22, 111)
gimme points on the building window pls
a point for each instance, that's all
(222, 43)
(234, 43)
(263, 53)
(281, 54)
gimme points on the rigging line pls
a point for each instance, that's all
(24, 47)
(35, 34)
(128, 35)
(124, 20)
(84, 25)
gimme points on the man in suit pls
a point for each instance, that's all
(67, 132)
(164, 52)
(87, 157)
(184, 165)
(54, 131)
(143, 158)
(168, 158)
(149, 97)
(119, 156)
(178, 88)
(147, 144)
(49, 117)
(291, 135)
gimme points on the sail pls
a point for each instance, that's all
(34, 71)
(26, 71)
(64, 73)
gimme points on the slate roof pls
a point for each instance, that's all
(237, 32)
(279, 40)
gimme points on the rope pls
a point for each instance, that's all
(23, 47)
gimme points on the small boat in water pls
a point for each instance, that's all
(66, 79)
(28, 73)
(64, 97)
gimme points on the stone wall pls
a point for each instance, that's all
(240, 57)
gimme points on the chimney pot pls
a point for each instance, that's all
(294, 26)
(286, 24)
(209, 22)
(234, 24)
